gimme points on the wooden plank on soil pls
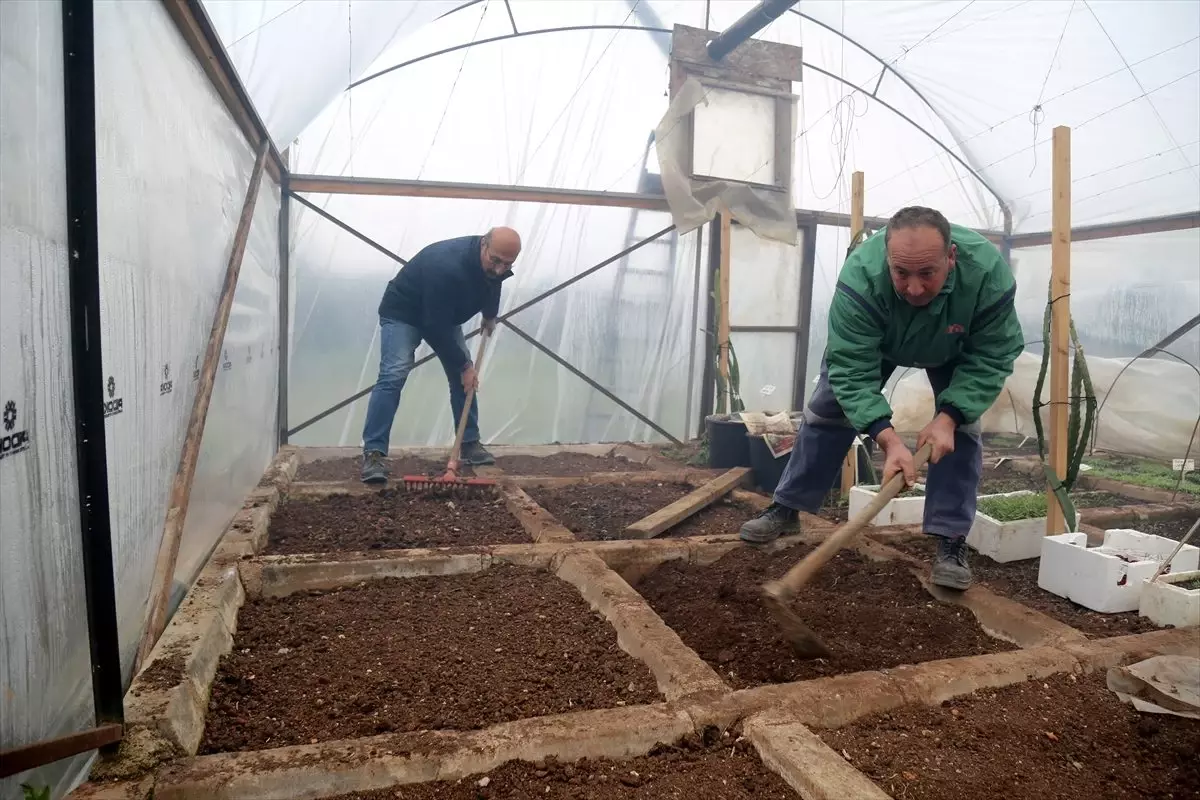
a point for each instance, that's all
(688, 505)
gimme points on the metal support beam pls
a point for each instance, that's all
(285, 305)
(583, 377)
(31, 756)
(751, 23)
(808, 265)
(197, 30)
(1171, 338)
(503, 317)
(87, 366)
(395, 187)
(1114, 230)
(362, 237)
(512, 20)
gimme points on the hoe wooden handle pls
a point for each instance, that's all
(806, 567)
(456, 453)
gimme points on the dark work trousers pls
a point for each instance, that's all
(826, 436)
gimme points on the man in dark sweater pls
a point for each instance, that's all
(442, 287)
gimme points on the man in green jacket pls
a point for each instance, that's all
(921, 293)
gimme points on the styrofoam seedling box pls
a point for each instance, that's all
(902, 510)
(1008, 541)
(1164, 603)
(1108, 578)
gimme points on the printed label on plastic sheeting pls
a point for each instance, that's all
(1179, 465)
(167, 385)
(113, 405)
(14, 438)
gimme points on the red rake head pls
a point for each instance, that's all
(447, 483)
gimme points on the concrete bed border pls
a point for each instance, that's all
(165, 725)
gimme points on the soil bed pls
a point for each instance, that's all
(605, 510)
(1068, 737)
(460, 652)
(1170, 528)
(391, 519)
(872, 615)
(350, 469)
(717, 766)
(566, 465)
(1018, 580)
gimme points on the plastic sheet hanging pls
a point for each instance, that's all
(693, 201)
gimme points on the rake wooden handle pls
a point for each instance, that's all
(806, 567)
(456, 453)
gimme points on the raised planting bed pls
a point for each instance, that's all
(1172, 600)
(1169, 528)
(1018, 580)
(460, 652)
(567, 464)
(1010, 527)
(717, 766)
(1144, 473)
(350, 469)
(873, 615)
(391, 519)
(908, 508)
(604, 511)
(1067, 738)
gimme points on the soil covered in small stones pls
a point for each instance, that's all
(566, 465)
(350, 469)
(1018, 580)
(392, 519)
(604, 511)
(1067, 738)
(716, 766)
(460, 652)
(872, 615)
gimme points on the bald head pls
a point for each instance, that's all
(498, 250)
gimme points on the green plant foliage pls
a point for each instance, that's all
(30, 793)
(1011, 509)
(1141, 472)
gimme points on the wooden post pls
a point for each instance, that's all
(181, 486)
(723, 311)
(857, 201)
(1060, 320)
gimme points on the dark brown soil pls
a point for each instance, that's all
(566, 465)
(1171, 528)
(1065, 738)
(460, 652)
(391, 519)
(724, 767)
(1018, 580)
(872, 615)
(167, 670)
(603, 511)
(350, 469)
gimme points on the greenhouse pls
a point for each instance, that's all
(207, 594)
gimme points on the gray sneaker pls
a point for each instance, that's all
(950, 570)
(774, 521)
(474, 454)
(373, 468)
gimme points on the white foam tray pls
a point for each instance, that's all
(1165, 603)
(1108, 578)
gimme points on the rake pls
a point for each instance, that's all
(451, 481)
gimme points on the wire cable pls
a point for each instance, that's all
(1036, 114)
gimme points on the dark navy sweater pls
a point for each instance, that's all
(441, 288)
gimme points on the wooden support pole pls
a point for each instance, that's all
(181, 486)
(1060, 319)
(857, 202)
(723, 311)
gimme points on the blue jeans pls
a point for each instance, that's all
(822, 441)
(398, 342)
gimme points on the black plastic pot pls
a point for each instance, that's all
(728, 445)
(767, 468)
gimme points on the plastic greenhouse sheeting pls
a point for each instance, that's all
(172, 171)
(45, 666)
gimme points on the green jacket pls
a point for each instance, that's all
(972, 323)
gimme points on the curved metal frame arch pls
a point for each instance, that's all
(971, 170)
